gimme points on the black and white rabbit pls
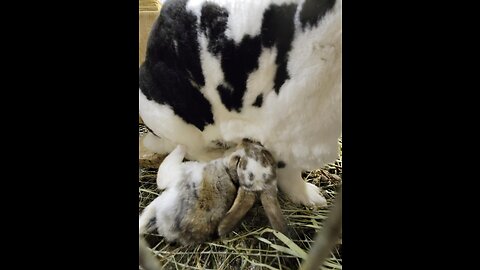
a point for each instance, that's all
(201, 201)
(217, 71)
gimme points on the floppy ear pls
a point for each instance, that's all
(272, 209)
(243, 202)
(232, 168)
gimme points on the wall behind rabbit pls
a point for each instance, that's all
(148, 12)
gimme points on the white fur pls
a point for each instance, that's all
(165, 207)
(258, 170)
(300, 126)
(155, 144)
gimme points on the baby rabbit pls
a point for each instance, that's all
(202, 201)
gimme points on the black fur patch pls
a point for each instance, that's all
(226, 95)
(171, 73)
(313, 10)
(277, 30)
(250, 176)
(281, 164)
(258, 101)
(213, 23)
(238, 60)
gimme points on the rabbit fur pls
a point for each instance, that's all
(217, 71)
(197, 196)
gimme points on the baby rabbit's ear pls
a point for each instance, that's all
(272, 209)
(233, 162)
(232, 168)
(243, 202)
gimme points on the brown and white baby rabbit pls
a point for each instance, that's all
(202, 201)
